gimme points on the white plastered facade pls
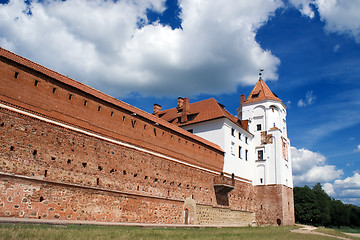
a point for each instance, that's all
(273, 164)
(242, 156)
(234, 140)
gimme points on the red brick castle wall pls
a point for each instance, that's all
(68, 151)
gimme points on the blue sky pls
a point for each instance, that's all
(152, 51)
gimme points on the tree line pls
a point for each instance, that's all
(314, 206)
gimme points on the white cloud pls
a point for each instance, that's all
(301, 103)
(309, 99)
(288, 104)
(339, 16)
(358, 148)
(336, 48)
(348, 189)
(310, 167)
(304, 7)
(99, 43)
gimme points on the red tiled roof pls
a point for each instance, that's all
(261, 92)
(201, 111)
(100, 95)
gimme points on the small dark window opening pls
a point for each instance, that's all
(54, 90)
(258, 127)
(255, 95)
(133, 123)
(260, 155)
(145, 177)
(85, 102)
(34, 152)
(53, 158)
(135, 175)
(239, 135)
(84, 164)
(100, 168)
(124, 172)
(70, 96)
(112, 113)
(124, 118)
(41, 199)
(99, 108)
(155, 131)
(145, 126)
(246, 155)
(12, 148)
(2, 124)
(232, 132)
(112, 170)
(36, 83)
(45, 173)
(155, 180)
(261, 180)
(239, 151)
(16, 75)
(68, 161)
(97, 181)
(246, 139)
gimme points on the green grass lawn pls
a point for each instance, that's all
(89, 232)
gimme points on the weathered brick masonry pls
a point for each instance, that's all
(68, 151)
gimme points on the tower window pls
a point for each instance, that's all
(258, 127)
(16, 74)
(36, 83)
(246, 155)
(70, 96)
(246, 139)
(260, 154)
(232, 148)
(239, 135)
(239, 151)
(54, 90)
(85, 102)
(232, 132)
(255, 95)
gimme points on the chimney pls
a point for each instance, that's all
(180, 103)
(186, 110)
(157, 109)
(242, 99)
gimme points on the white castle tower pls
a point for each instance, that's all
(266, 115)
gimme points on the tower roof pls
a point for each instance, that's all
(261, 92)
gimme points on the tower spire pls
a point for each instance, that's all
(260, 73)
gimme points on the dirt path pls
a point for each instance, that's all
(310, 230)
(353, 234)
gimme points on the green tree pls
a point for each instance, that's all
(354, 218)
(322, 203)
(340, 214)
(305, 205)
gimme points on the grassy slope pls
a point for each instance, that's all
(22, 231)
